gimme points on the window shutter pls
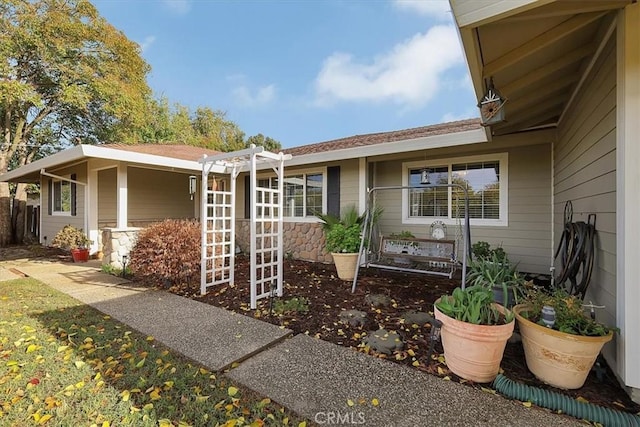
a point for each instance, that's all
(247, 197)
(73, 195)
(50, 197)
(333, 190)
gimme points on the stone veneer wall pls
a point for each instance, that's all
(117, 243)
(301, 240)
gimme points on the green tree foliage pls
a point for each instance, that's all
(66, 74)
(204, 127)
(266, 142)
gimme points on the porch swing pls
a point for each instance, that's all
(435, 255)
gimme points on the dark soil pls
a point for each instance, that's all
(328, 296)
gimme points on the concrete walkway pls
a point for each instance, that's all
(314, 378)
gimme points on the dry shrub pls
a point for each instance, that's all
(168, 253)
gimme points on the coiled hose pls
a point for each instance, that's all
(576, 251)
(559, 402)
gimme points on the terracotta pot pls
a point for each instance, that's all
(80, 255)
(345, 264)
(473, 352)
(559, 359)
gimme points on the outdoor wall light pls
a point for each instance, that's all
(548, 316)
(192, 185)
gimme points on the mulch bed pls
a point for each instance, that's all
(328, 296)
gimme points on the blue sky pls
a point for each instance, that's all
(304, 71)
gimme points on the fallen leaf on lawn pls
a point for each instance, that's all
(232, 391)
(155, 395)
(79, 363)
(31, 348)
(125, 395)
(150, 338)
(416, 363)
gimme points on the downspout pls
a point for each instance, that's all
(553, 225)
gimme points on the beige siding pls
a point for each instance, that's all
(585, 174)
(152, 196)
(51, 224)
(155, 195)
(527, 238)
(107, 198)
(349, 184)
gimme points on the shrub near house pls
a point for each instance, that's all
(168, 252)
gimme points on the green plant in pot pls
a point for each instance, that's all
(474, 332)
(343, 236)
(561, 343)
(498, 274)
(75, 240)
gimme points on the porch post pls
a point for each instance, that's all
(628, 196)
(91, 203)
(122, 202)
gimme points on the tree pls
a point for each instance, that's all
(204, 127)
(67, 73)
(266, 142)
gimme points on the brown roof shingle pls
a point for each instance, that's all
(382, 137)
(176, 151)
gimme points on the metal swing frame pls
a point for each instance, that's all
(363, 255)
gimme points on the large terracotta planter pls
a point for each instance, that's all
(345, 264)
(473, 352)
(559, 359)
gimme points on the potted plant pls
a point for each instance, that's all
(342, 240)
(496, 273)
(474, 332)
(74, 240)
(560, 342)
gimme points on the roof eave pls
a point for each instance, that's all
(81, 152)
(403, 146)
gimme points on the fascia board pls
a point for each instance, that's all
(84, 151)
(65, 156)
(404, 146)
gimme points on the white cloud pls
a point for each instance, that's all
(147, 42)
(438, 9)
(181, 7)
(262, 96)
(409, 75)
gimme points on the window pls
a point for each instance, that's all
(484, 177)
(304, 194)
(61, 197)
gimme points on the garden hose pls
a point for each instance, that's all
(576, 250)
(559, 402)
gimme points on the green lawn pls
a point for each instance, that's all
(63, 363)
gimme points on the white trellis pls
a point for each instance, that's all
(218, 223)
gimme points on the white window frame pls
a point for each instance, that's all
(52, 197)
(502, 158)
(304, 172)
